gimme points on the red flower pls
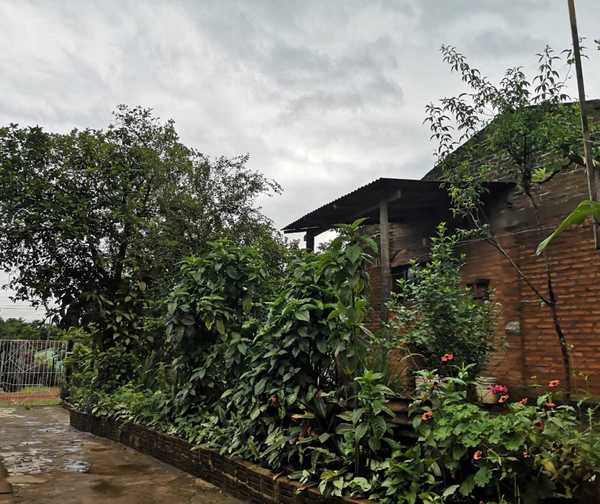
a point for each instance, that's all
(554, 384)
(539, 425)
(550, 405)
(447, 357)
(523, 401)
(500, 389)
(477, 455)
(503, 398)
(428, 415)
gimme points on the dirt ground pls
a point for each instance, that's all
(50, 462)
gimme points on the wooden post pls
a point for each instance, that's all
(309, 238)
(593, 178)
(386, 272)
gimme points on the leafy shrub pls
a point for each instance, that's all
(434, 314)
(278, 376)
(301, 362)
(523, 455)
(213, 314)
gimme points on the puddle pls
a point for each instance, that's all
(40, 441)
(78, 466)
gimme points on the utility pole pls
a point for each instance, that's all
(592, 174)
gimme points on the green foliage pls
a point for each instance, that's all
(579, 215)
(434, 314)
(531, 133)
(213, 314)
(88, 217)
(295, 396)
(524, 455)
(16, 328)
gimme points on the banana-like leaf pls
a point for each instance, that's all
(584, 210)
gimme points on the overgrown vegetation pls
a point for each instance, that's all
(95, 222)
(276, 370)
(434, 314)
(17, 328)
(532, 135)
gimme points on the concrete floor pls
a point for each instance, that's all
(49, 462)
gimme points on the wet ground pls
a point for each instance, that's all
(50, 462)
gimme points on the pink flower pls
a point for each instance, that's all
(428, 415)
(478, 455)
(447, 357)
(553, 384)
(523, 402)
(503, 398)
(550, 405)
(500, 389)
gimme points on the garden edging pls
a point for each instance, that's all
(235, 476)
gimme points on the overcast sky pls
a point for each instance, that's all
(324, 95)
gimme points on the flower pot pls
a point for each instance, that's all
(421, 381)
(484, 389)
(436, 380)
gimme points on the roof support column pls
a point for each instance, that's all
(309, 238)
(384, 255)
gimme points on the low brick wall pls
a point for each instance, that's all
(235, 476)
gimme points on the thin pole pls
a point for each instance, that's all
(592, 174)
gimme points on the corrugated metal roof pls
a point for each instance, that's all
(405, 195)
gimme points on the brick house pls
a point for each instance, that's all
(405, 213)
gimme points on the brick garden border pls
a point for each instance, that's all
(235, 476)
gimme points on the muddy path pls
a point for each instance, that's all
(49, 462)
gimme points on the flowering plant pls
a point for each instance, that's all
(437, 316)
(526, 454)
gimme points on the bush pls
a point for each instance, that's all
(278, 377)
(434, 314)
(526, 453)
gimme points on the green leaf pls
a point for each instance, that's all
(247, 304)
(378, 426)
(361, 430)
(483, 476)
(357, 414)
(467, 486)
(353, 253)
(584, 210)
(451, 490)
(260, 386)
(362, 483)
(346, 415)
(303, 315)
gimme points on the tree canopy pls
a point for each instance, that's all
(93, 219)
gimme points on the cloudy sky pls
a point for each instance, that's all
(324, 95)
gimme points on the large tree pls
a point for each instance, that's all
(94, 221)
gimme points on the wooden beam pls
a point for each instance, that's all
(309, 238)
(384, 245)
(366, 211)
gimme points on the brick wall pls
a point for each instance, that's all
(237, 477)
(527, 345)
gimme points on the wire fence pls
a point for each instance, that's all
(31, 370)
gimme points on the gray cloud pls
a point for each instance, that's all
(325, 96)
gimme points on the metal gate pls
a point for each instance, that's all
(31, 370)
